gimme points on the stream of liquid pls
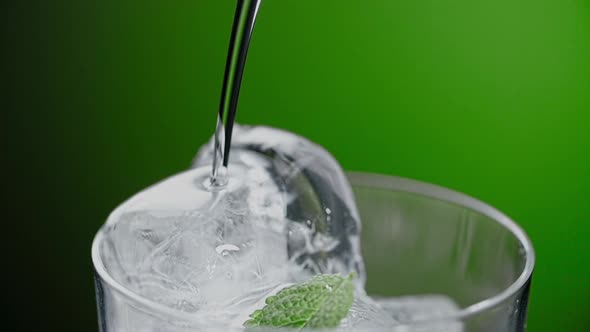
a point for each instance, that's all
(242, 28)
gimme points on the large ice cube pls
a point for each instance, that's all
(286, 213)
(324, 233)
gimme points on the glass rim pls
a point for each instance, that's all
(386, 182)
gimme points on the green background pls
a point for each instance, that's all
(490, 98)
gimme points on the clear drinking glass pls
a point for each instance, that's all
(417, 238)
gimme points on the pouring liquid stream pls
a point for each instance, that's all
(242, 28)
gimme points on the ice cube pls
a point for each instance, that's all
(423, 313)
(323, 234)
(367, 314)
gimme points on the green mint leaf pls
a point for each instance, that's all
(321, 302)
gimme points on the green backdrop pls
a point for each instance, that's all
(490, 98)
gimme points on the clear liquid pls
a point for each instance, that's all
(243, 26)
